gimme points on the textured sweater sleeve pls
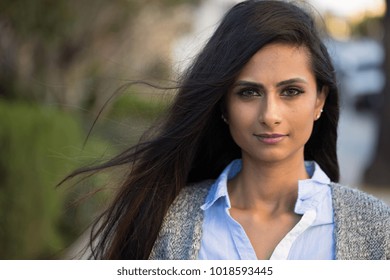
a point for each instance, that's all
(362, 225)
(181, 231)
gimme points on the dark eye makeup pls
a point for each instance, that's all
(255, 92)
(292, 91)
(249, 92)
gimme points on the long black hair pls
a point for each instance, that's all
(192, 143)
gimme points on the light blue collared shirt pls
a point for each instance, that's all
(311, 238)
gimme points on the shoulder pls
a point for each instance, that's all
(362, 224)
(195, 193)
(181, 230)
(189, 200)
(354, 200)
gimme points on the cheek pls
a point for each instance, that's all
(306, 110)
(238, 123)
(243, 118)
(238, 118)
(239, 113)
(241, 122)
(303, 124)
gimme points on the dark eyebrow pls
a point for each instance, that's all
(248, 84)
(291, 81)
(259, 85)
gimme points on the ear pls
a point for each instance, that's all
(320, 102)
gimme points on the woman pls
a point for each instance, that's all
(244, 165)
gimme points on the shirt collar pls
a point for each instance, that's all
(316, 174)
(305, 190)
(219, 188)
(314, 194)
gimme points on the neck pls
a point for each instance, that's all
(273, 186)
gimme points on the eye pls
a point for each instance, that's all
(249, 92)
(291, 91)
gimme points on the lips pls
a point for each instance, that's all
(270, 138)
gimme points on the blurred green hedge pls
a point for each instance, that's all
(38, 147)
(138, 106)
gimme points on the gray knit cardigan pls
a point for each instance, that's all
(362, 225)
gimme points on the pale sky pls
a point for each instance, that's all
(349, 7)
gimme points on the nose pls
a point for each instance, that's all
(269, 112)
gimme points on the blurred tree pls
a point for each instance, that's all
(67, 54)
(378, 173)
(370, 26)
(76, 53)
(38, 144)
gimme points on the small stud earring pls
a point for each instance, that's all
(224, 119)
(319, 115)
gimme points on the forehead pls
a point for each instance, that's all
(280, 61)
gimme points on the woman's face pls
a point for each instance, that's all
(273, 104)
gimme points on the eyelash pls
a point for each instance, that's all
(251, 92)
(244, 92)
(296, 90)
